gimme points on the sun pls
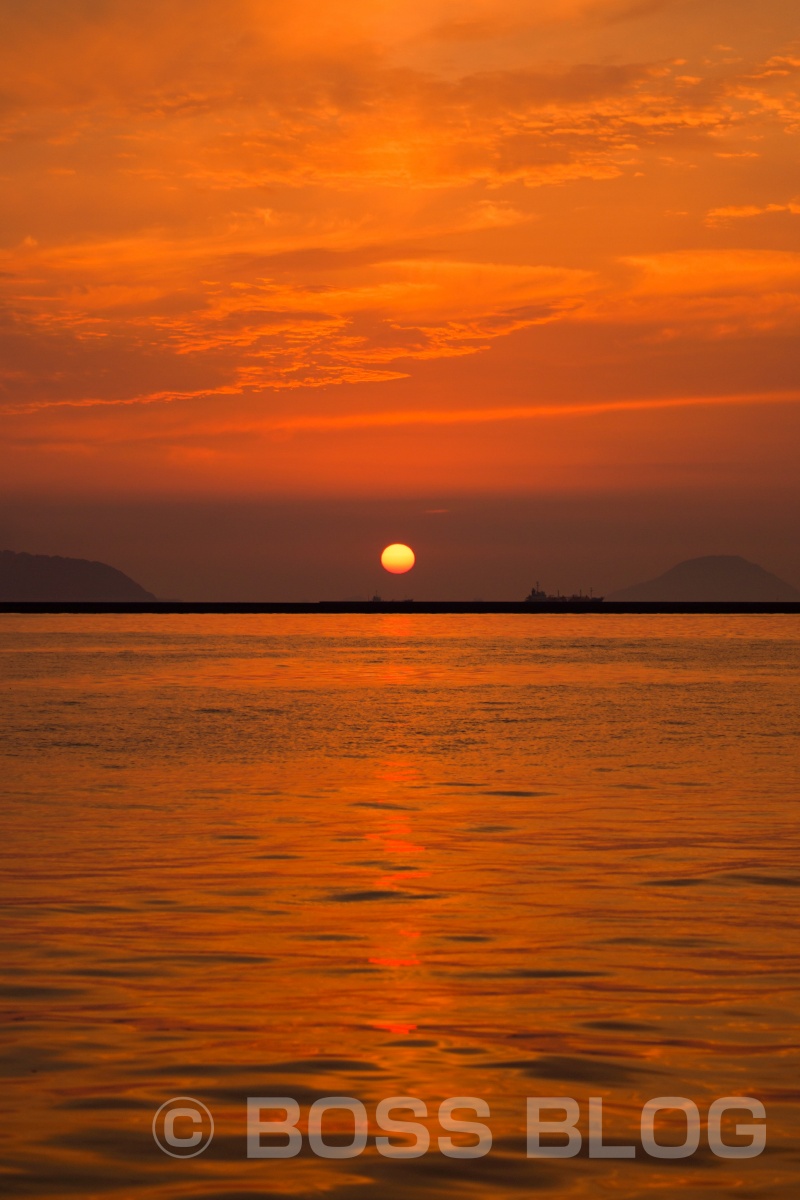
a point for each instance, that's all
(398, 558)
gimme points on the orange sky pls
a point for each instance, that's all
(385, 246)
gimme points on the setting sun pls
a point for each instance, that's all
(398, 558)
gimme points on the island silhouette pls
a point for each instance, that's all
(713, 578)
(44, 577)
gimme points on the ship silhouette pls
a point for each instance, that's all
(537, 595)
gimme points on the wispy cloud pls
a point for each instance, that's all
(531, 412)
(739, 212)
(209, 205)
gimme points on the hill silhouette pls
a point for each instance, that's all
(45, 577)
(717, 577)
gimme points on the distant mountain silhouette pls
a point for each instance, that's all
(716, 577)
(42, 577)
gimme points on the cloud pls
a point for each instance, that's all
(207, 202)
(281, 329)
(319, 318)
(532, 412)
(734, 212)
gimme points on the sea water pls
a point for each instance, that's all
(396, 856)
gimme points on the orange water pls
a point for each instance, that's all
(374, 856)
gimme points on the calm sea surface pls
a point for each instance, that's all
(378, 856)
